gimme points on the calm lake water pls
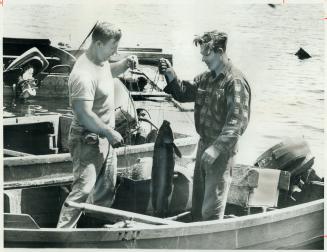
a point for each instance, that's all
(288, 94)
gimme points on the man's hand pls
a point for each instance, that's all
(166, 69)
(164, 64)
(115, 139)
(209, 156)
(132, 62)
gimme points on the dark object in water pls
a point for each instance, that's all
(272, 5)
(163, 169)
(302, 54)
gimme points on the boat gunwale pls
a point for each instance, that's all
(188, 229)
(64, 157)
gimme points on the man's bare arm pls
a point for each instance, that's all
(118, 67)
(121, 66)
(85, 115)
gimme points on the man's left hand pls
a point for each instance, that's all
(209, 156)
(132, 61)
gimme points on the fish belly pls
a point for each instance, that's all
(162, 178)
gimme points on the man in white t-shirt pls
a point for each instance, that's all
(92, 137)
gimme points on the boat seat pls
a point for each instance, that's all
(265, 195)
(19, 221)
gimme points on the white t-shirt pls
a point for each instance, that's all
(91, 82)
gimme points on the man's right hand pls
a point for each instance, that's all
(165, 68)
(164, 64)
(115, 139)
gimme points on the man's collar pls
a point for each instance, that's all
(224, 71)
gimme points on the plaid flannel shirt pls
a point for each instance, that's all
(222, 105)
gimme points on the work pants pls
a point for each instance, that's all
(95, 174)
(211, 185)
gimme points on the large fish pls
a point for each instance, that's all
(163, 169)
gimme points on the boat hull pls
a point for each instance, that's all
(300, 226)
(52, 169)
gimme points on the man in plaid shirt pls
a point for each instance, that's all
(222, 99)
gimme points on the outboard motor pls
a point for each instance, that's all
(21, 73)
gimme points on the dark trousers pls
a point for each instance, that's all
(211, 186)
